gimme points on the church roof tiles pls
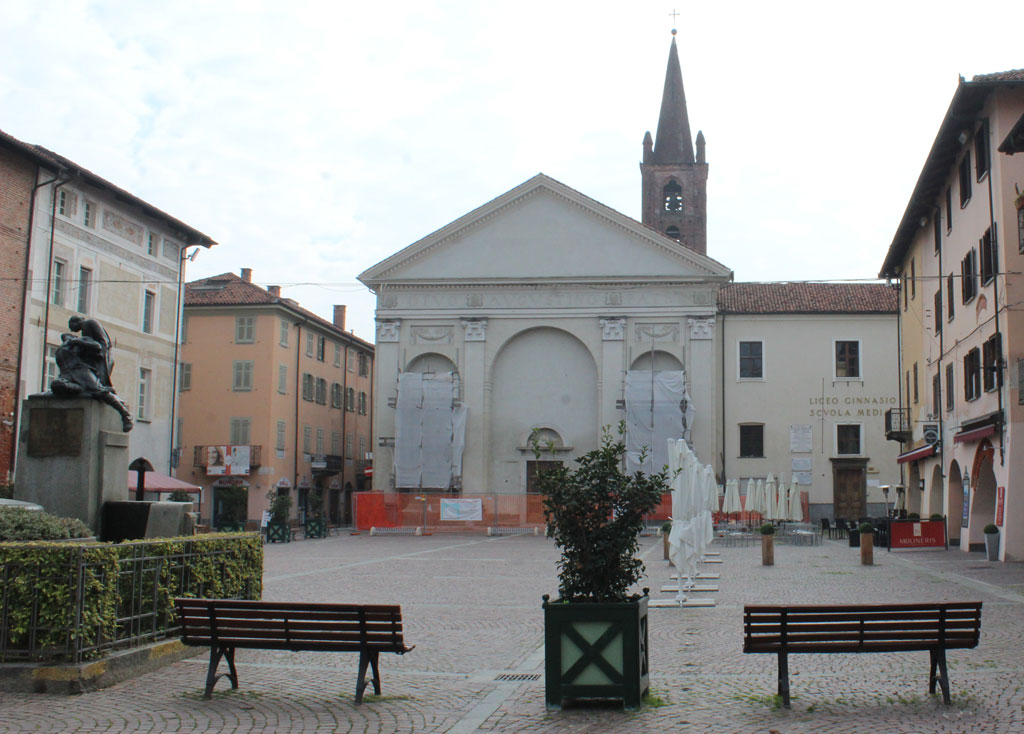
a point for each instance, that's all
(807, 298)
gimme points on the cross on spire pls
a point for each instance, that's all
(674, 14)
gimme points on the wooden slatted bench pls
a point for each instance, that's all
(227, 624)
(859, 628)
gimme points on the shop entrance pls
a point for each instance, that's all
(230, 507)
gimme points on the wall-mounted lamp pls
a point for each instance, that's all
(920, 484)
(964, 136)
(923, 221)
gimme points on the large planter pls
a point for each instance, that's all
(867, 549)
(279, 532)
(596, 651)
(664, 544)
(767, 550)
(316, 528)
(992, 546)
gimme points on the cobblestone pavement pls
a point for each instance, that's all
(472, 608)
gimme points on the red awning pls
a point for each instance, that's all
(974, 435)
(156, 482)
(916, 454)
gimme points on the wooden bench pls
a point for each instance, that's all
(863, 628)
(227, 624)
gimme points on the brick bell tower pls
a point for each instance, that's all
(674, 183)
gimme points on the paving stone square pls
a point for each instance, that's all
(471, 605)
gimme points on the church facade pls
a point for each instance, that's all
(519, 333)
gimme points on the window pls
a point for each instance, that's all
(59, 276)
(751, 360)
(348, 448)
(913, 279)
(987, 249)
(950, 392)
(937, 233)
(981, 150)
(672, 232)
(335, 443)
(184, 329)
(350, 399)
(972, 374)
(319, 440)
(308, 386)
(307, 439)
(673, 194)
(63, 203)
(185, 381)
(245, 327)
(938, 311)
(170, 250)
(321, 391)
(362, 403)
(282, 379)
(84, 289)
(321, 348)
(968, 271)
(847, 360)
(142, 409)
(151, 245)
(751, 441)
(936, 395)
(241, 375)
(337, 355)
(240, 431)
(281, 428)
(335, 395)
(350, 360)
(992, 360)
(362, 448)
(51, 366)
(949, 297)
(906, 385)
(309, 344)
(913, 372)
(364, 365)
(148, 309)
(949, 210)
(89, 214)
(848, 439)
(965, 179)
(906, 291)
(284, 333)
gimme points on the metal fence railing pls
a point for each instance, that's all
(141, 583)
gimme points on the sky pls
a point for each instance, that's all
(312, 139)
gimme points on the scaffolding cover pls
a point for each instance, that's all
(429, 430)
(658, 408)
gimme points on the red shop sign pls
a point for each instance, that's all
(917, 534)
(1000, 502)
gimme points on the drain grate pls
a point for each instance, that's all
(518, 676)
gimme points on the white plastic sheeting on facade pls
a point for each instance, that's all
(430, 430)
(658, 408)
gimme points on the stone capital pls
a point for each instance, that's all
(388, 331)
(613, 330)
(701, 328)
(476, 329)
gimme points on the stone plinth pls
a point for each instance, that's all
(72, 457)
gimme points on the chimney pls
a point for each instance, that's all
(247, 275)
(274, 290)
(339, 317)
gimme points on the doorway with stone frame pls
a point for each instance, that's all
(849, 488)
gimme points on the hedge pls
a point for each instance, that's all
(17, 523)
(135, 582)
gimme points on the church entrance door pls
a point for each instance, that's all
(849, 488)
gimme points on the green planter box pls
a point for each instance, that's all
(316, 529)
(279, 532)
(596, 651)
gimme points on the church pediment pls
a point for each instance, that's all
(544, 231)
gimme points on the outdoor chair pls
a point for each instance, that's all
(826, 527)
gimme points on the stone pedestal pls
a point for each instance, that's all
(72, 457)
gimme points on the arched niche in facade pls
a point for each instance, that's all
(954, 502)
(662, 361)
(983, 492)
(935, 493)
(431, 362)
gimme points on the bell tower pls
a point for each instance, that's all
(674, 182)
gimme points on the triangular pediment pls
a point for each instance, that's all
(544, 231)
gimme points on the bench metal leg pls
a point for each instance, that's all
(938, 665)
(216, 653)
(368, 658)
(784, 678)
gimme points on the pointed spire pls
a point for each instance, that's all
(673, 143)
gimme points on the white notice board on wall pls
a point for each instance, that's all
(801, 439)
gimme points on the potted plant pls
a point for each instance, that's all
(936, 516)
(279, 529)
(992, 542)
(767, 544)
(595, 632)
(867, 544)
(666, 528)
(316, 526)
(913, 516)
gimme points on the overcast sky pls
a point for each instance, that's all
(314, 139)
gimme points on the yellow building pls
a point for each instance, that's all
(274, 399)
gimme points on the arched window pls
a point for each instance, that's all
(673, 193)
(673, 232)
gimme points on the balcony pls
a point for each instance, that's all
(898, 426)
(201, 455)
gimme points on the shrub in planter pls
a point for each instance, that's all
(666, 528)
(767, 544)
(992, 542)
(867, 557)
(936, 516)
(17, 523)
(913, 516)
(596, 513)
(767, 529)
(278, 529)
(866, 527)
(991, 529)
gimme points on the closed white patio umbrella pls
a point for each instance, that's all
(731, 504)
(796, 509)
